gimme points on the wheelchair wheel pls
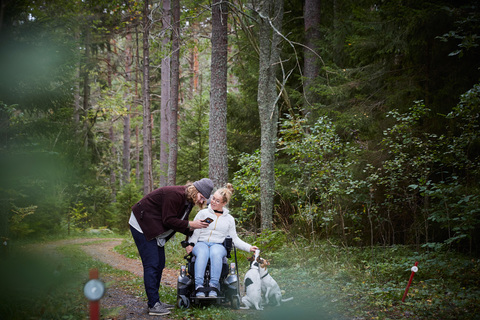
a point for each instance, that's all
(183, 302)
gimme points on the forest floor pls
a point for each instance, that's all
(128, 305)
(327, 282)
(119, 302)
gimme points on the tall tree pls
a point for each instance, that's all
(147, 130)
(271, 16)
(218, 164)
(175, 83)
(166, 98)
(126, 117)
(311, 66)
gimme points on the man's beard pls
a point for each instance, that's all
(201, 205)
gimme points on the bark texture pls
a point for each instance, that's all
(271, 15)
(175, 82)
(147, 130)
(126, 118)
(311, 64)
(166, 97)
(218, 164)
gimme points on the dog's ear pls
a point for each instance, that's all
(250, 259)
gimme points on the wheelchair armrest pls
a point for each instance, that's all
(228, 244)
(185, 244)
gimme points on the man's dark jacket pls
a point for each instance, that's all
(162, 210)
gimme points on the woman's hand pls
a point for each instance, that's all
(253, 248)
(189, 249)
(197, 224)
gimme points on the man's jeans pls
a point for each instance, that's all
(203, 251)
(153, 260)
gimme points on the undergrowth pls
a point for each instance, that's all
(327, 281)
(330, 281)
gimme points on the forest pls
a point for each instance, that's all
(353, 121)
(349, 124)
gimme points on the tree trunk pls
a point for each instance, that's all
(311, 64)
(113, 163)
(126, 117)
(166, 98)
(112, 133)
(194, 63)
(175, 82)
(269, 40)
(77, 107)
(147, 132)
(218, 164)
(137, 154)
(86, 87)
(137, 98)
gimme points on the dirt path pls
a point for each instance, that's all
(124, 305)
(104, 252)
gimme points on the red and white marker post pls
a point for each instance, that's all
(414, 270)
(94, 290)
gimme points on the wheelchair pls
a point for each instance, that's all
(229, 284)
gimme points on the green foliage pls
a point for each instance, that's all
(193, 158)
(422, 169)
(17, 227)
(320, 174)
(126, 198)
(78, 217)
(247, 188)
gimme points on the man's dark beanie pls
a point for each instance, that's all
(204, 186)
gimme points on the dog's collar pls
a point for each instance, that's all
(266, 274)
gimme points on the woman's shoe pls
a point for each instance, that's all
(200, 294)
(212, 293)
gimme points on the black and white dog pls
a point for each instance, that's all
(253, 286)
(269, 286)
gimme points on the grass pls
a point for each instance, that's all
(369, 283)
(35, 285)
(334, 282)
(326, 281)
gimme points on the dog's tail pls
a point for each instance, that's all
(288, 299)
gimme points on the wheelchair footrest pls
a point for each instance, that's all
(208, 300)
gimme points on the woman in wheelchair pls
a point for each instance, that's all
(208, 242)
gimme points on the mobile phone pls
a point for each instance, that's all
(208, 220)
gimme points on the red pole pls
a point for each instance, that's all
(94, 305)
(414, 269)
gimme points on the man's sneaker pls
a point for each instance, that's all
(158, 310)
(200, 294)
(166, 305)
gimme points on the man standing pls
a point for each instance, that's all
(154, 220)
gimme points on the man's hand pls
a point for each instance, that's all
(189, 249)
(197, 224)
